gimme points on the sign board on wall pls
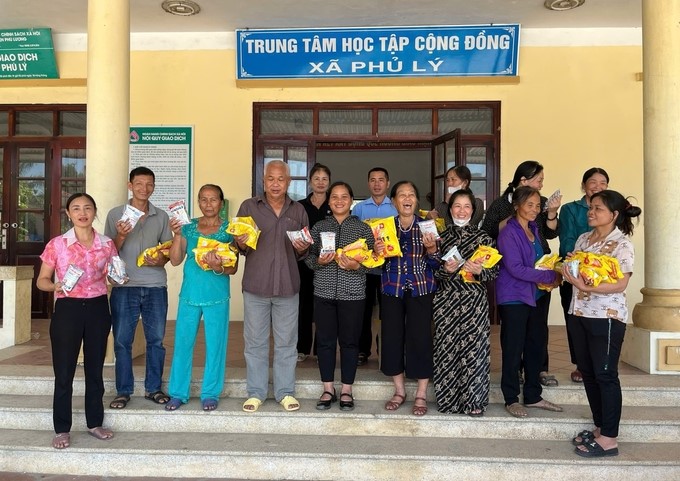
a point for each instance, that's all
(168, 152)
(27, 53)
(437, 51)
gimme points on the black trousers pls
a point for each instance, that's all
(338, 322)
(523, 341)
(76, 321)
(306, 311)
(373, 287)
(566, 291)
(406, 333)
(597, 345)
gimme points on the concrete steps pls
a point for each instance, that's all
(368, 443)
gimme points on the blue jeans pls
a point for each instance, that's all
(127, 303)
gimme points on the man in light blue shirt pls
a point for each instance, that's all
(377, 206)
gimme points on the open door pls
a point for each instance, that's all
(446, 153)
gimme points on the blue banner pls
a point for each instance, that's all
(439, 51)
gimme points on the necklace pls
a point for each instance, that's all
(409, 227)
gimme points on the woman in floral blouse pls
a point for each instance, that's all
(598, 320)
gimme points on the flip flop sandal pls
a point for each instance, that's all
(594, 450)
(548, 380)
(585, 437)
(119, 402)
(289, 403)
(173, 404)
(159, 397)
(209, 404)
(61, 441)
(576, 376)
(101, 433)
(251, 405)
(517, 410)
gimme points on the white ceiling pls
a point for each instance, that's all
(70, 16)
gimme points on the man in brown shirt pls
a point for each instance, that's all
(271, 284)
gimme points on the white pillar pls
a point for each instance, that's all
(654, 340)
(108, 103)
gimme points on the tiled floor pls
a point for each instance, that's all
(37, 352)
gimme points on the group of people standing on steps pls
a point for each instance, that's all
(434, 325)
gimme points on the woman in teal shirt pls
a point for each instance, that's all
(204, 293)
(573, 223)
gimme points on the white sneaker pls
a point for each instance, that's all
(302, 357)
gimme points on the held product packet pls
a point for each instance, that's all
(454, 254)
(132, 215)
(116, 270)
(327, 242)
(429, 227)
(302, 234)
(438, 221)
(245, 225)
(490, 258)
(178, 210)
(223, 249)
(386, 230)
(596, 268)
(155, 251)
(555, 195)
(70, 279)
(548, 262)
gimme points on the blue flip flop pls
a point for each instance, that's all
(209, 404)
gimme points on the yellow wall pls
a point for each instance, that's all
(572, 108)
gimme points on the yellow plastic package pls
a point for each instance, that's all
(155, 251)
(222, 249)
(374, 260)
(245, 225)
(547, 263)
(597, 268)
(490, 258)
(386, 230)
(357, 250)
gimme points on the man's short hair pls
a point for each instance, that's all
(141, 171)
(379, 169)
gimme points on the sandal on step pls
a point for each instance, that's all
(61, 441)
(517, 410)
(576, 376)
(251, 405)
(289, 403)
(346, 405)
(119, 402)
(419, 410)
(159, 397)
(101, 433)
(173, 404)
(323, 404)
(548, 380)
(547, 405)
(209, 404)
(394, 405)
(584, 436)
(594, 450)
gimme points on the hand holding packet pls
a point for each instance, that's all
(453, 253)
(132, 215)
(222, 249)
(429, 227)
(155, 251)
(555, 195)
(386, 230)
(245, 225)
(178, 211)
(327, 242)
(302, 234)
(116, 270)
(71, 278)
(490, 257)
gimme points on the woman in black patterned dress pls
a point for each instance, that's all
(461, 317)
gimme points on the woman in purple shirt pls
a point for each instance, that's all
(523, 308)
